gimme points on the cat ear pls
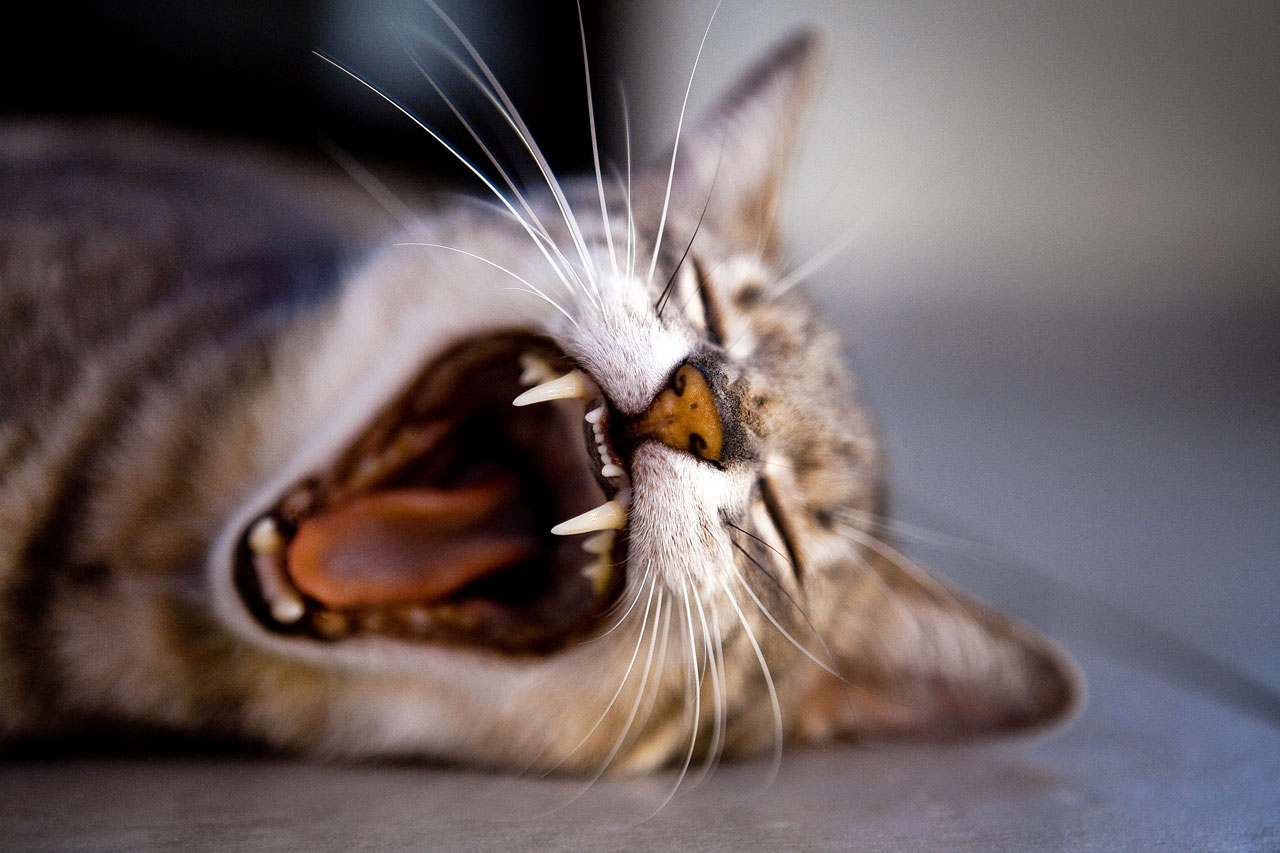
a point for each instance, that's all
(736, 158)
(922, 660)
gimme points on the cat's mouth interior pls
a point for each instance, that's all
(436, 523)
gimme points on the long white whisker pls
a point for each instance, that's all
(635, 706)
(767, 613)
(510, 182)
(531, 287)
(924, 535)
(837, 246)
(694, 683)
(595, 145)
(623, 617)
(512, 116)
(882, 548)
(675, 149)
(783, 631)
(632, 250)
(828, 254)
(484, 179)
(720, 733)
(711, 667)
(622, 683)
(768, 680)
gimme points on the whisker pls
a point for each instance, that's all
(626, 675)
(777, 625)
(710, 666)
(595, 146)
(694, 682)
(624, 616)
(632, 248)
(924, 535)
(509, 113)
(720, 734)
(886, 203)
(484, 179)
(675, 148)
(527, 143)
(635, 707)
(768, 680)
(661, 304)
(531, 287)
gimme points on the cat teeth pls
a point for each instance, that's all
(267, 545)
(569, 386)
(594, 416)
(535, 370)
(611, 470)
(265, 538)
(599, 573)
(601, 543)
(608, 516)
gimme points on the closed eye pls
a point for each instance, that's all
(712, 309)
(782, 523)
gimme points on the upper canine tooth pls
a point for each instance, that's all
(607, 516)
(567, 386)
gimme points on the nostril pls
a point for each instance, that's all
(684, 417)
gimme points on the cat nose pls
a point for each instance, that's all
(684, 417)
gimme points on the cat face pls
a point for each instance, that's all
(580, 483)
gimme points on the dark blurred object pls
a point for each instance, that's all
(247, 68)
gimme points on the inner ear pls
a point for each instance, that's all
(921, 660)
(734, 161)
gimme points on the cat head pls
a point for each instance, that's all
(672, 543)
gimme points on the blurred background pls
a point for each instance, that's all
(1061, 287)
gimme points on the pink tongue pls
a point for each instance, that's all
(407, 545)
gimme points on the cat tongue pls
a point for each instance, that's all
(407, 545)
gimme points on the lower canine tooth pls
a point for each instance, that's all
(611, 470)
(568, 386)
(601, 543)
(598, 573)
(607, 516)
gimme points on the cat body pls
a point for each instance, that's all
(261, 475)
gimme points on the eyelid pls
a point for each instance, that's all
(711, 307)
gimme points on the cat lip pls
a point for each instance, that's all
(457, 493)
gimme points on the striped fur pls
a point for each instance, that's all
(188, 330)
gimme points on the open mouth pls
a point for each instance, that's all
(436, 523)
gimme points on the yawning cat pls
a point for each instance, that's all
(570, 480)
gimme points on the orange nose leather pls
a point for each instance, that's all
(407, 545)
(684, 416)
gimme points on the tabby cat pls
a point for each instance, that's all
(263, 477)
